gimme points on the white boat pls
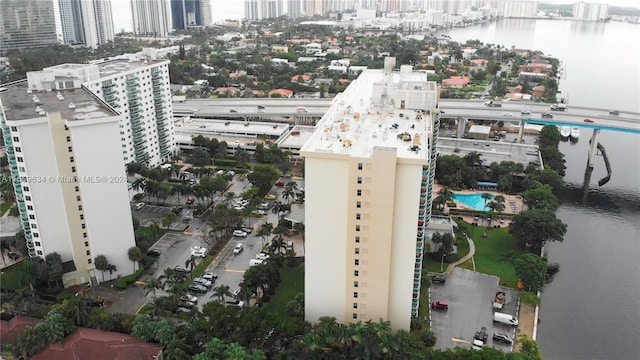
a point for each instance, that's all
(575, 133)
(565, 131)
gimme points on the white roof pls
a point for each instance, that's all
(479, 129)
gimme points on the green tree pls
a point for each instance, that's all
(295, 307)
(30, 342)
(533, 227)
(265, 231)
(540, 197)
(75, 310)
(101, 263)
(532, 271)
(548, 177)
(54, 268)
(169, 219)
(444, 195)
(220, 292)
(263, 177)
(135, 255)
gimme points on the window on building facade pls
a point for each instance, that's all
(86, 244)
(355, 316)
(359, 179)
(355, 294)
(32, 217)
(357, 251)
(357, 239)
(89, 261)
(355, 305)
(355, 284)
(356, 262)
(356, 273)
(359, 192)
(357, 227)
(359, 204)
(358, 216)
(359, 166)
(37, 243)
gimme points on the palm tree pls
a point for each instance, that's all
(278, 245)
(135, 255)
(177, 349)
(288, 194)
(299, 227)
(75, 309)
(486, 197)
(444, 195)
(228, 197)
(221, 291)
(265, 231)
(101, 263)
(190, 263)
(152, 285)
(154, 227)
(111, 269)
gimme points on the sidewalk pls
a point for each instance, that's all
(472, 251)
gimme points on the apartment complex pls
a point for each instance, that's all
(86, 22)
(590, 11)
(63, 146)
(190, 13)
(369, 170)
(151, 17)
(26, 24)
(139, 90)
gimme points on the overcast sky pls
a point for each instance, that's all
(234, 9)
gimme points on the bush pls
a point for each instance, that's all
(529, 298)
(428, 337)
(123, 282)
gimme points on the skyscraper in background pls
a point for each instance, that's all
(86, 22)
(151, 17)
(190, 13)
(26, 24)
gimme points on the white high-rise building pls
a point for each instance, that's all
(63, 146)
(589, 11)
(139, 90)
(369, 170)
(517, 8)
(151, 17)
(86, 22)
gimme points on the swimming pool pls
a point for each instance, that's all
(474, 201)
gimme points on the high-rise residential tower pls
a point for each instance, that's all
(86, 22)
(190, 13)
(369, 171)
(63, 146)
(26, 24)
(151, 17)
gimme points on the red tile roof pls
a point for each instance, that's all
(456, 80)
(231, 89)
(282, 92)
(9, 330)
(85, 343)
(304, 77)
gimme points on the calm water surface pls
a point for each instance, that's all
(591, 310)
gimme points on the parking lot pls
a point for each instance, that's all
(470, 296)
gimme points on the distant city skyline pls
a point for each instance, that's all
(225, 9)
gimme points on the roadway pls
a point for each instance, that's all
(511, 111)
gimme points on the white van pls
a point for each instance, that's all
(139, 205)
(219, 172)
(289, 245)
(253, 262)
(506, 319)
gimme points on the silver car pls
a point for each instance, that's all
(204, 282)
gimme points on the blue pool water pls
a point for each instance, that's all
(475, 201)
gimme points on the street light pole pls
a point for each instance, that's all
(442, 263)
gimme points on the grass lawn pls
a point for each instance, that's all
(291, 284)
(490, 253)
(431, 264)
(11, 277)
(147, 231)
(4, 207)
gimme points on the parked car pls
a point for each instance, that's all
(189, 298)
(235, 302)
(13, 256)
(197, 288)
(139, 205)
(181, 269)
(154, 252)
(546, 115)
(503, 337)
(201, 253)
(235, 293)
(280, 183)
(270, 197)
(437, 278)
(233, 110)
(239, 208)
(248, 230)
(239, 233)
(507, 114)
(209, 276)
(181, 309)
(177, 209)
(204, 282)
(263, 206)
(614, 112)
(190, 200)
(238, 249)
(186, 304)
(525, 112)
(259, 212)
(440, 305)
(262, 256)
(588, 120)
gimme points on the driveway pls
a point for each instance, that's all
(470, 296)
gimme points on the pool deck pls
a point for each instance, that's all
(513, 203)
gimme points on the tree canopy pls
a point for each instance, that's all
(533, 227)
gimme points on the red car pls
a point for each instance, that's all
(280, 183)
(440, 305)
(190, 200)
(588, 120)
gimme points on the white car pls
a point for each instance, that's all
(204, 282)
(238, 249)
(189, 298)
(239, 233)
(262, 256)
(209, 276)
(239, 208)
(259, 212)
(525, 112)
(507, 114)
(202, 252)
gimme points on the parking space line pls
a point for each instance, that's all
(461, 341)
(236, 271)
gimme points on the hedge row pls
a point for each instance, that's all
(123, 282)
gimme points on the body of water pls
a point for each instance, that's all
(591, 309)
(474, 201)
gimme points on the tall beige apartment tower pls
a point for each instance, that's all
(369, 170)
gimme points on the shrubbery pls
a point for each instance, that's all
(123, 282)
